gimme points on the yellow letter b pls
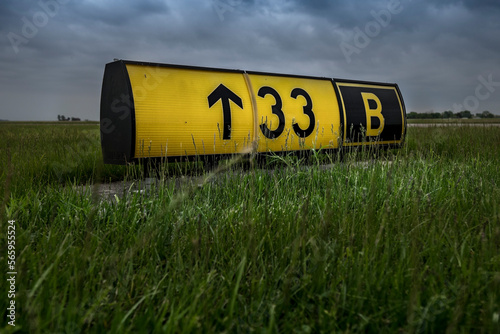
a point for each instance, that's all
(376, 112)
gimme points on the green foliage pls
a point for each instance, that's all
(464, 114)
(428, 115)
(39, 154)
(485, 114)
(448, 114)
(406, 242)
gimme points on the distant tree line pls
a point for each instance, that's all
(63, 118)
(449, 114)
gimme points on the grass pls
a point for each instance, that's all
(408, 242)
(462, 121)
(51, 153)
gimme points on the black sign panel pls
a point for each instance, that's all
(372, 112)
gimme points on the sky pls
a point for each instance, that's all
(443, 54)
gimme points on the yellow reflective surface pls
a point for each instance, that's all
(324, 107)
(192, 111)
(173, 116)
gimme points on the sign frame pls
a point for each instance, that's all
(118, 121)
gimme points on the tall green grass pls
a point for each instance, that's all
(404, 242)
(40, 154)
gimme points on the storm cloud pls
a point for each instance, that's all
(443, 54)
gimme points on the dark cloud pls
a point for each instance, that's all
(118, 13)
(435, 50)
(471, 4)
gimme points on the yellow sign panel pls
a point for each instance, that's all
(174, 116)
(185, 112)
(155, 110)
(295, 113)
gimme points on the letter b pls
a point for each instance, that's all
(373, 112)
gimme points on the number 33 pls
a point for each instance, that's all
(277, 110)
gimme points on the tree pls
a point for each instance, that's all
(412, 115)
(448, 114)
(465, 114)
(486, 114)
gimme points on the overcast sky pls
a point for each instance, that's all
(444, 54)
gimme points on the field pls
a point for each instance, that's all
(397, 241)
(461, 121)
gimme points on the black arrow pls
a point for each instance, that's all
(225, 94)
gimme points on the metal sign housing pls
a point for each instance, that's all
(151, 110)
